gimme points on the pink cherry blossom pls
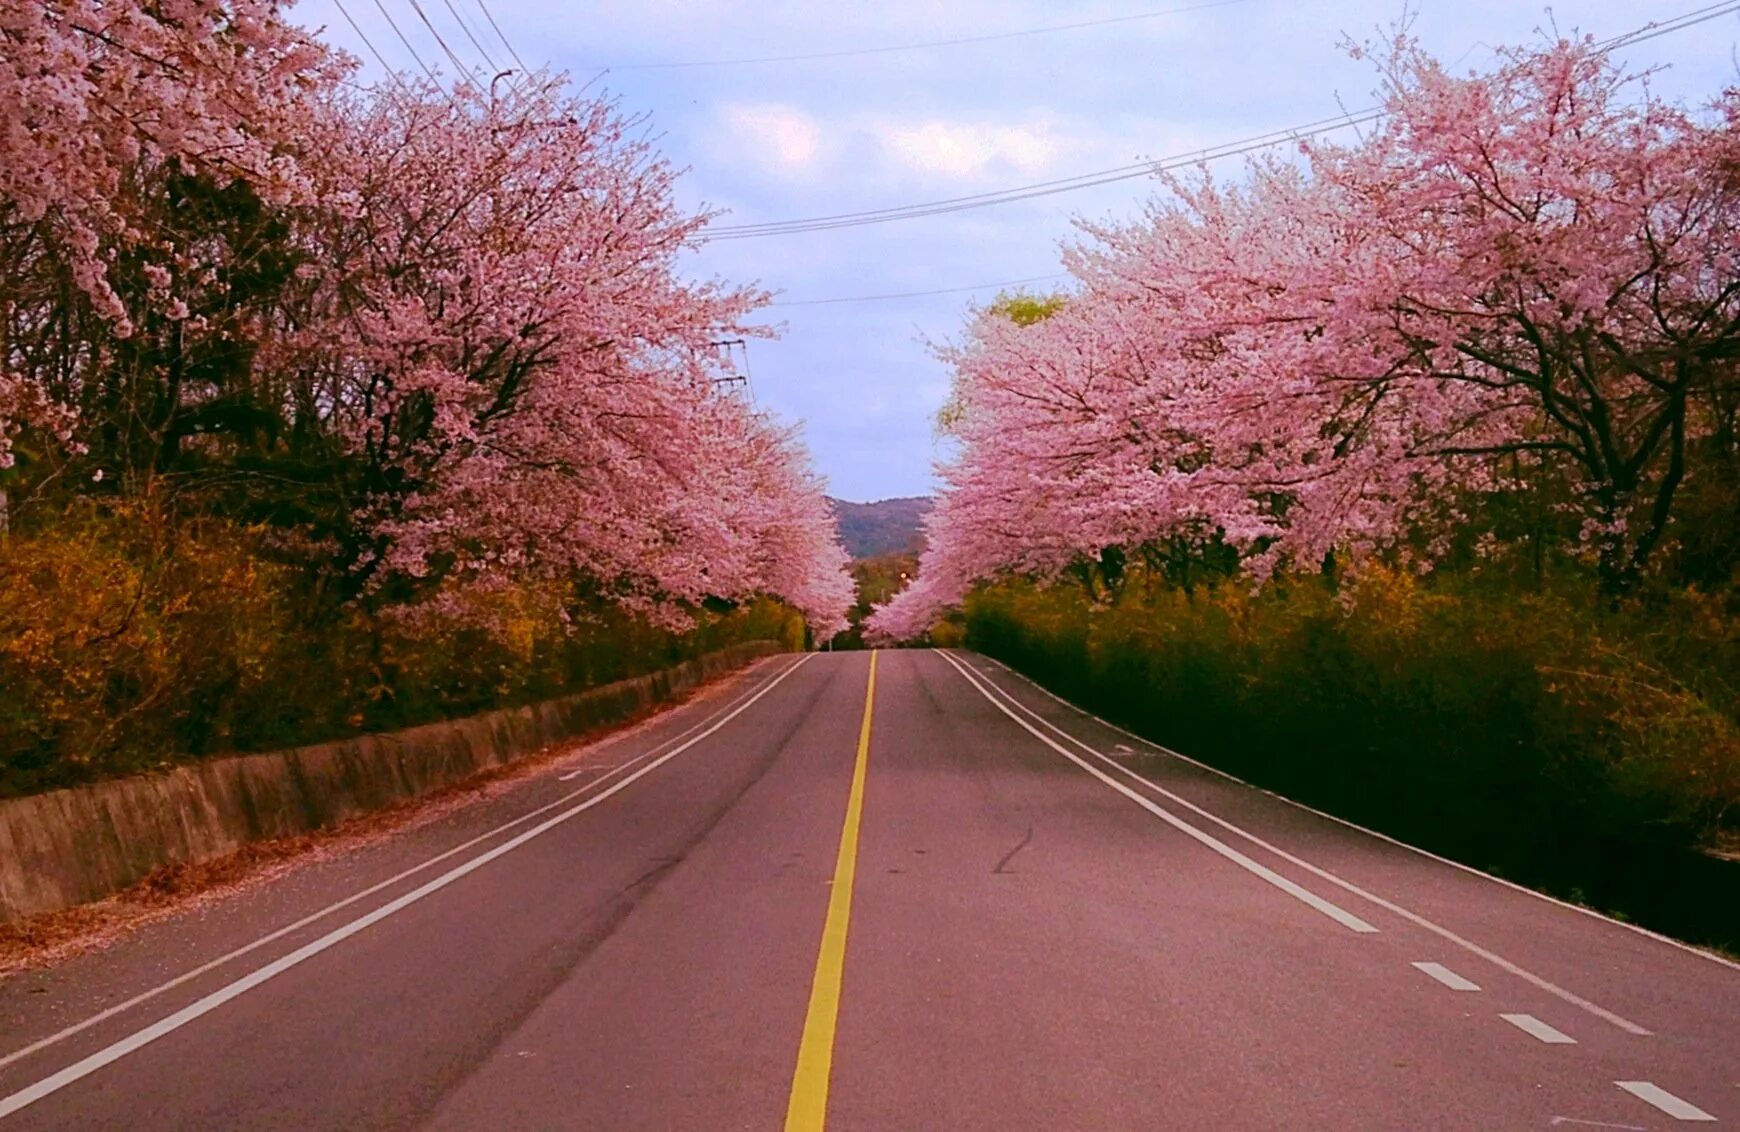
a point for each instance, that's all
(1528, 273)
(466, 308)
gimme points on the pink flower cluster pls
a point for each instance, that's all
(486, 329)
(1526, 273)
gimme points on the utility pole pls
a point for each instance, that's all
(734, 380)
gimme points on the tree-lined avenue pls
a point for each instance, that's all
(1051, 925)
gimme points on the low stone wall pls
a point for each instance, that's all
(71, 846)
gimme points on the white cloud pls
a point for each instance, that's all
(835, 134)
(890, 152)
(785, 134)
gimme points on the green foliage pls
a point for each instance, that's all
(130, 640)
(1023, 308)
(878, 579)
(119, 634)
(948, 634)
(1561, 741)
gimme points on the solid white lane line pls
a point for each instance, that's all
(1446, 976)
(1536, 1028)
(336, 906)
(1417, 920)
(655, 748)
(1659, 1097)
(1679, 945)
(1304, 895)
(200, 1007)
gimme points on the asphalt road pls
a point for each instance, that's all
(919, 895)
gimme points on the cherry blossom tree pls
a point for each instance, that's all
(144, 150)
(1520, 276)
(99, 94)
(441, 332)
(501, 340)
(1562, 276)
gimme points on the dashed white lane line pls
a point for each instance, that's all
(573, 774)
(1636, 929)
(1299, 892)
(1538, 1029)
(1446, 976)
(107, 1055)
(1646, 1091)
(1417, 920)
(1654, 1094)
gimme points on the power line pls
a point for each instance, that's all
(1662, 27)
(466, 28)
(392, 23)
(919, 294)
(1044, 188)
(484, 8)
(1646, 32)
(379, 58)
(459, 66)
(899, 47)
(734, 228)
(1145, 169)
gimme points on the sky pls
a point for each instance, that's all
(870, 120)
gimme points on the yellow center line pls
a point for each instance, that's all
(807, 1110)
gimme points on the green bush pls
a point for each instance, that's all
(1541, 734)
(129, 642)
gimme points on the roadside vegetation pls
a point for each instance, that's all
(877, 579)
(1404, 478)
(131, 639)
(1526, 731)
(326, 408)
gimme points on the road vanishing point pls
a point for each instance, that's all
(889, 891)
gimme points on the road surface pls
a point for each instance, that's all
(892, 892)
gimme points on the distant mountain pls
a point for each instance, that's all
(887, 526)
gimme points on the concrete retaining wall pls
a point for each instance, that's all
(71, 846)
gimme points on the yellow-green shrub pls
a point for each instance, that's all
(126, 641)
(1539, 732)
(129, 641)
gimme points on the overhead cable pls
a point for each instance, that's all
(926, 44)
(360, 34)
(394, 24)
(499, 34)
(1045, 188)
(918, 294)
(1648, 31)
(460, 67)
(466, 28)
